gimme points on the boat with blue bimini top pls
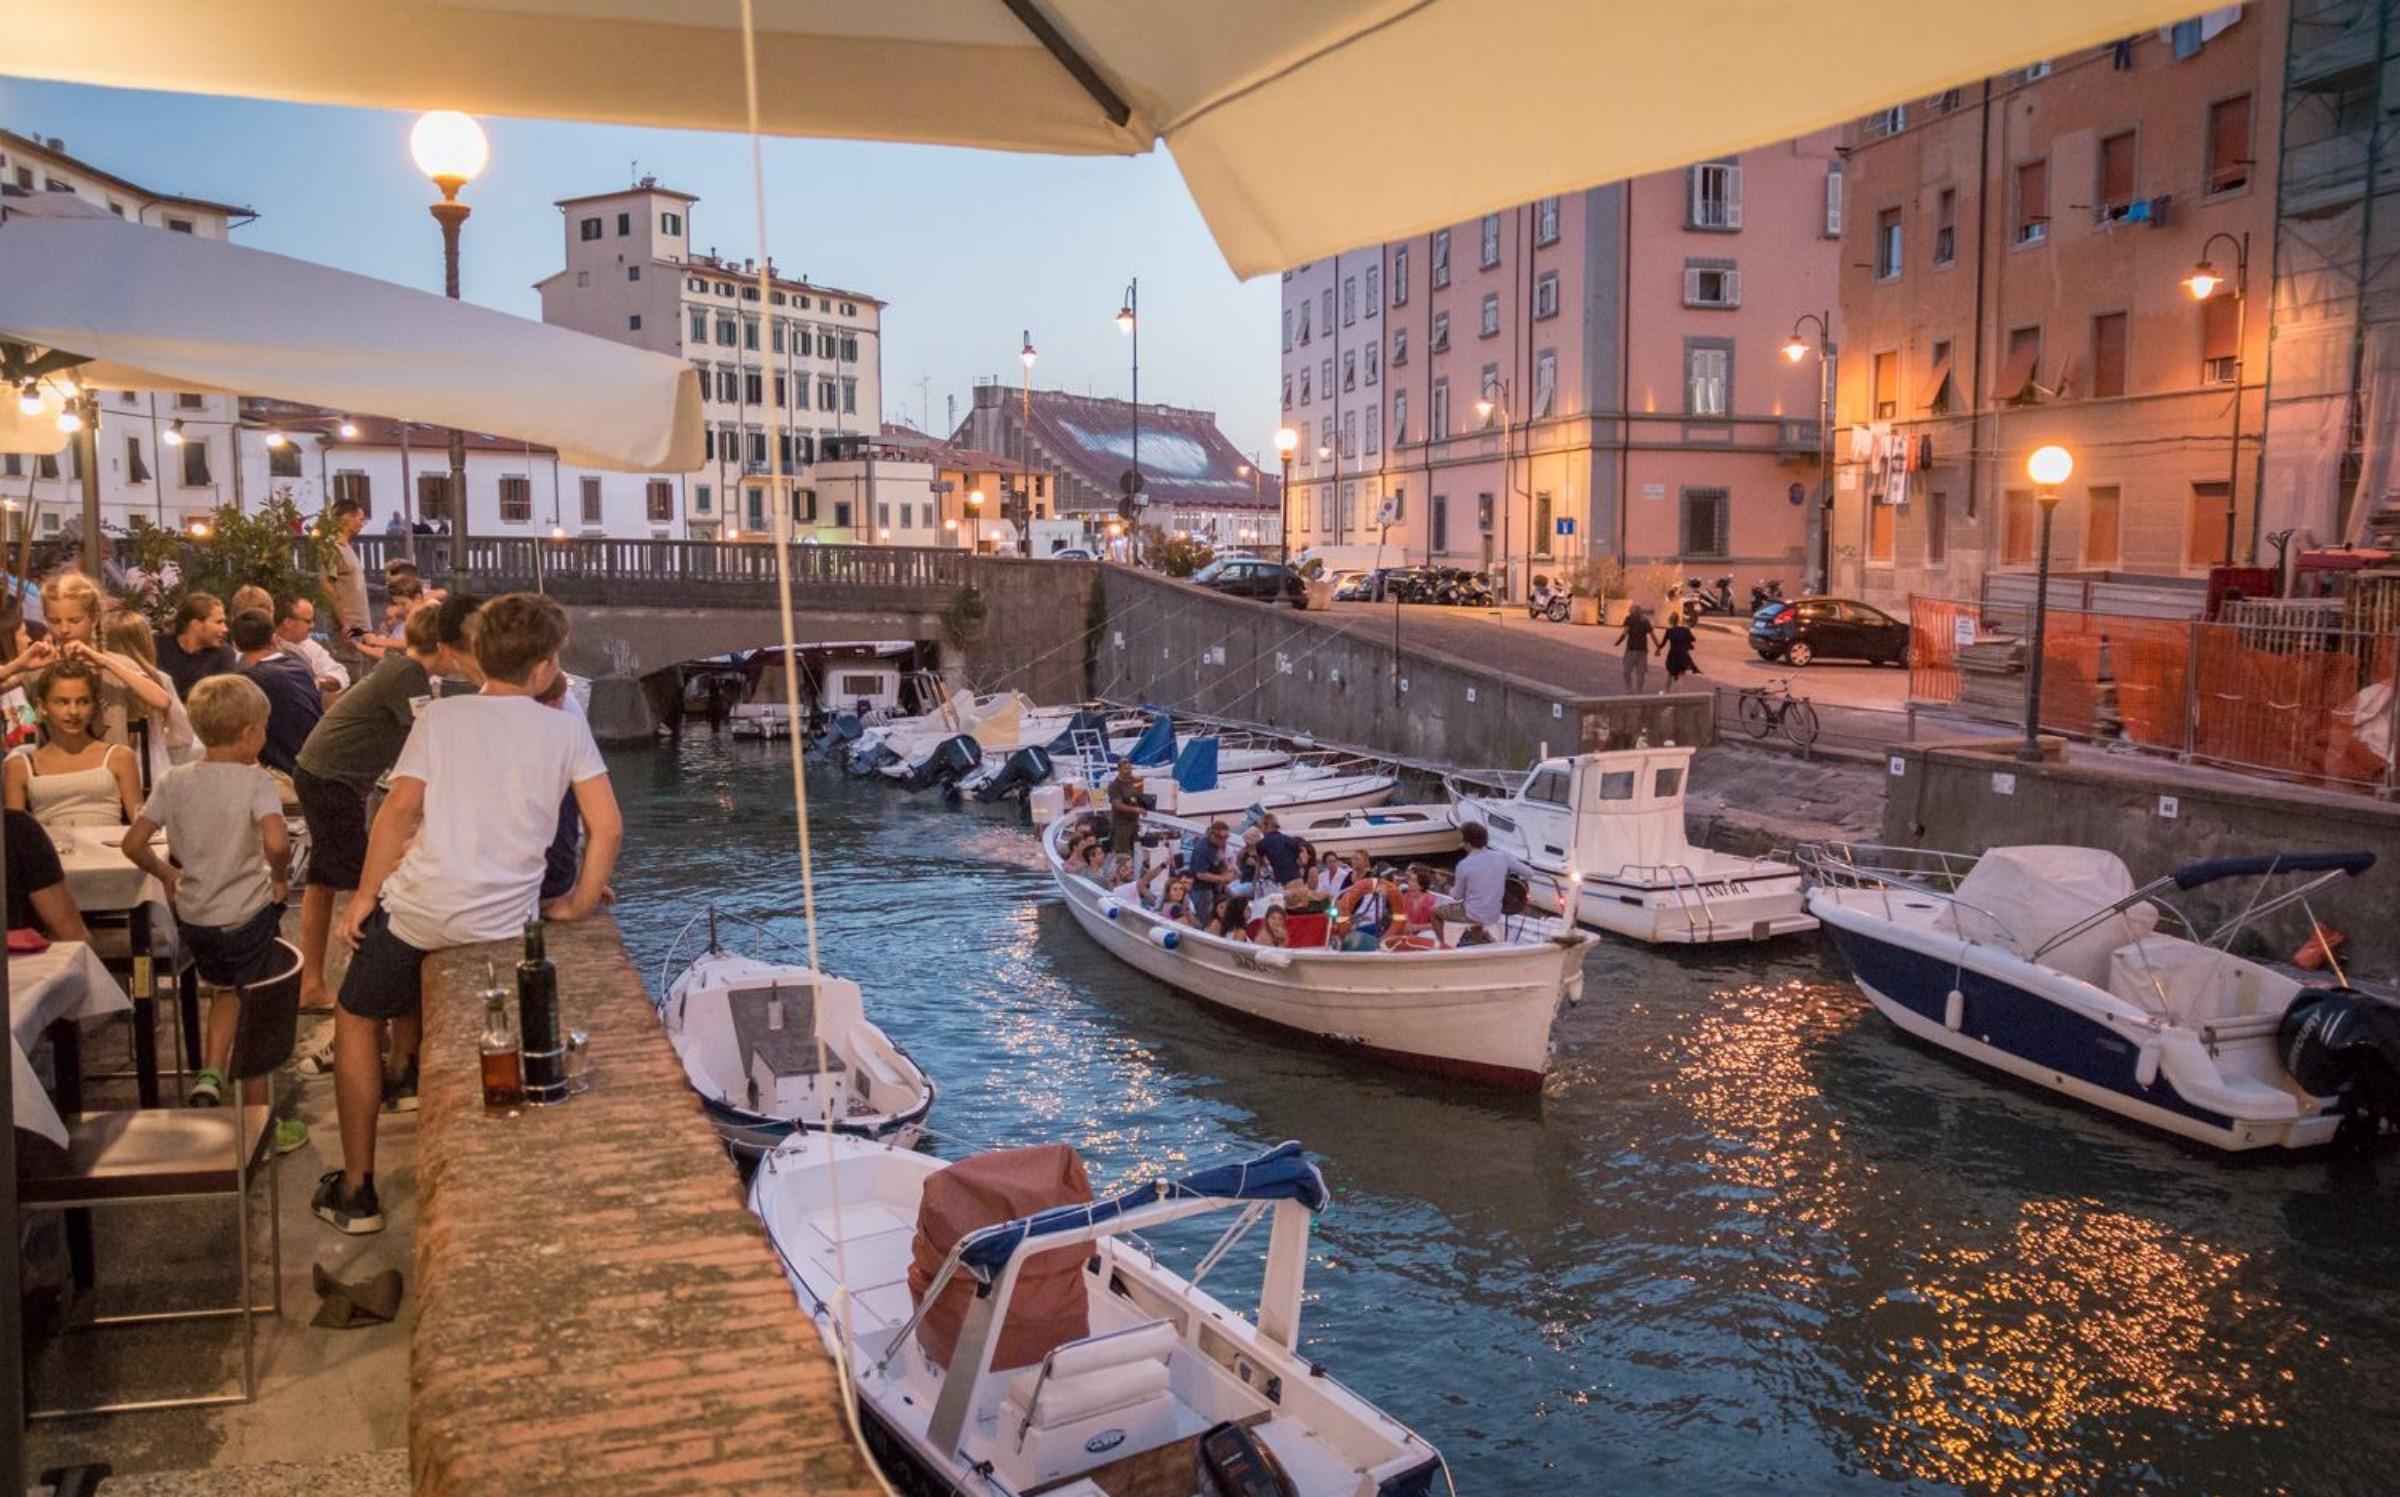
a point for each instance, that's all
(2050, 965)
(1006, 1334)
(772, 1048)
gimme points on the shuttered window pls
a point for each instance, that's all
(1887, 385)
(2033, 202)
(2220, 349)
(2108, 354)
(2116, 175)
(2229, 144)
(2100, 526)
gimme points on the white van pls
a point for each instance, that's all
(1318, 563)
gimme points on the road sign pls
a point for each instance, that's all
(1962, 629)
(1566, 524)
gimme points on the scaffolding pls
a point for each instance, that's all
(2333, 373)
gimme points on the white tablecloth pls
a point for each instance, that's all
(99, 875)
(65, 982)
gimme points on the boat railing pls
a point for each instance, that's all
(712, 916)
(1878, 868)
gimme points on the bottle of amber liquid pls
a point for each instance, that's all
(537, 1018)
(503, 1058)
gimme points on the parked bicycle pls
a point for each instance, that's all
(1766, 709)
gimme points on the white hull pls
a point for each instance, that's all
(1479, 1012)
(1382, 832)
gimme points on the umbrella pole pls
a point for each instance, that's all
(87, 464)
(12, 1284)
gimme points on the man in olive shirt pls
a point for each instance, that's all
(352, 749)
(346, 586)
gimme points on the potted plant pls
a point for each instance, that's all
(1596, 581)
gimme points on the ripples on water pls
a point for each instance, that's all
(1747, 1237)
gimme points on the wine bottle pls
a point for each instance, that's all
(538, 1022)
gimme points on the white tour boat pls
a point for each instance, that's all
(1196, 788)
(2048, 964)
(1481, 1012)
(1005, 1333)
(771, 1048)
(1606, 831)
(1385, 833)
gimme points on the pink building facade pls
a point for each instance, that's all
(1596, 374)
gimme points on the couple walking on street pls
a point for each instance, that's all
(1675, 641)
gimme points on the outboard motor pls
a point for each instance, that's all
(2338, 1042)
(951, 758)
(1026, 768)
(1230, 1461)
(839, 735)
(868, 760)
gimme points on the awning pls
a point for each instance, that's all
(1935, 383)
(1454, 107)
(2017, 373)
(150, 310)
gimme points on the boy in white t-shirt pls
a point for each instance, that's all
(456, 857)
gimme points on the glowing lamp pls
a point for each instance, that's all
(449, 147)
(2049, 466)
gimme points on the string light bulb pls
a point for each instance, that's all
(276, 438)
(29, 399)
(70, 419)
(347, 430)
(173, 435)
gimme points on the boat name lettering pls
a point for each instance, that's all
(1106, 1440)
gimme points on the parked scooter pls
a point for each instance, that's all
(1545, 602)
(1763, 593)
(1699, 599)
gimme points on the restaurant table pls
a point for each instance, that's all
(66, 982)
(103, 881)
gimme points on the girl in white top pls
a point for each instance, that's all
(72, 779)
(172, 740)
(73, 606)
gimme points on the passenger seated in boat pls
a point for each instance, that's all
(1478, 886)
(1176, 904)
(1231, 918)
(1274, 930)
(1092, 860)
(1300, 899)
(1333, 875)
(1413, 927)
(1364, 909)
(1140, 891)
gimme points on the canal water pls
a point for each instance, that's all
(1746, 1238)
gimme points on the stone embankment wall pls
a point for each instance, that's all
(597, 1309)
(1342, 681)
(1967, 798)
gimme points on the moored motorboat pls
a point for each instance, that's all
(1478, 1012)
(1006, 1333)
(2049, 965)
(1606, 832)
(772, 1048)
(1198, 788)
(1382, 832)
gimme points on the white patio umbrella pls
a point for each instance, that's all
(1301, 128)
(133, 308)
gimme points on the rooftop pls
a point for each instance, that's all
(1186, 459)
(54, 149)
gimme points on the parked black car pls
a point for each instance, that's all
(1267, 581)
(1807, 629)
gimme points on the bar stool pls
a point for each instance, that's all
(149, 1156)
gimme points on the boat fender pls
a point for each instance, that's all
(1109, 908)
(2145, 1066)
(1954, 1009)
(1166, 937)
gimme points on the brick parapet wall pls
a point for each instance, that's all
(597, 1309)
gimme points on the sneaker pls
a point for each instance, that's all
(358, 1216)
(290, 1134)
(208, 1088)
(401, 1095)
(317, 1062)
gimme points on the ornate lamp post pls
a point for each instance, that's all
(1820, 534)
(1129, 323)
(1496, 399)
(450, 148)
(2048, 468)
(1025, 356)
(1287, 442)
(2203, 283)
(975, 520)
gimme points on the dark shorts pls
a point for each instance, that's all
(382, 980)
(337, 830)
(234, 956)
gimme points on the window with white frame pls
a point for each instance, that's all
(1349, 447)
(1325, 436)
(1374, 429)
(1545, 294)
(1287, 392)
(1374, 291)
(1325, 317)
(1715, 196)
(1399, 417)
(1491, 314)
(1350, 369)
(516, 498)
(589, 486)
(1325, 377)
(1306, 393)
(1441, 258)
(1441, 332)
(1400, 276)
(1489, 254)
(1545, 222)
(1399, 346)
(661, 496)
(1305, 303)
(1349, 300)
(1707, 375)
(1287, 329)
(699, 325)
(352, 484)
(1438, 423)
(1545, 381)
(1833, 201)
(1374, 360)
(1711, 283)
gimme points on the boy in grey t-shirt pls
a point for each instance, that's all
(224, 818)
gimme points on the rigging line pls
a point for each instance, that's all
(779, 487)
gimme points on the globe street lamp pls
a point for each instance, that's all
(1819, 542)
(449, 147)
(1129, 323)
(1287, 442)
(2202, 283)
(1025, 356)
(1495, 398)
(975, 520)
(2048, 468)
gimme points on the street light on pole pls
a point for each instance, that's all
(2203, 283)
(2048, 468)
(1496, 398)
(1287, 441)
(975, 519)
(1129, 323)
(1819, 541)
(1025, 356)
(450, 148)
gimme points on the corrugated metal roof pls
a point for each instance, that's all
(1185, 458)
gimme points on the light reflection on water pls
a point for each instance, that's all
(1746, 1237)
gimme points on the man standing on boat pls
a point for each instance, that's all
(1280, 849)
(1477, 885)
(1212, 869)
(1124, 809)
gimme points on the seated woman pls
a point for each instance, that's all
(1364, 910)
(1091, 860)
(1231, 918)
(1413, 926)
(1176, 903)
(72, 778)
(1333, 875)
(1271, 931)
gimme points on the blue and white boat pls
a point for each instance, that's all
(2049, 964)
(1006, 1333)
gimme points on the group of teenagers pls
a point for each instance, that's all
(446, 781)
(1270, 889)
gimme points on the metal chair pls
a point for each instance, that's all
(150, 1156)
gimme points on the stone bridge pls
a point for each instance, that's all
(643, 607)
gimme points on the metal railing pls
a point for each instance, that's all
(724, 573)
